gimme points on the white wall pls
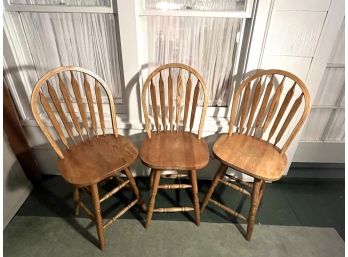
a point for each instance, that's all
(16, 187)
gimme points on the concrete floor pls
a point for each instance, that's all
(50, 236)
(296, 218)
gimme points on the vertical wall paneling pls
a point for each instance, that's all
(323, 137)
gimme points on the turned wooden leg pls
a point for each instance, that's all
(152, 173)
(153, 190)
(134, 187)
(253, 209)
(98, 217)
(218, 175)
(77, 200)
(262, 190)
(195, 196)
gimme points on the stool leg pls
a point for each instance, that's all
(154, 189)
(195, 196)
(262, 190)
(218, 175)
(134, 187)
(77, 201)
(152, 173)
(255, 199)
(98, 217)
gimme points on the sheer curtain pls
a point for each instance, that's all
(81, 39)
(206, 44)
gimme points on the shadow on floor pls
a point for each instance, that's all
(288, 203)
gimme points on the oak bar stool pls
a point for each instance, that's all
(254, 147)
(171, 147)
(89, 157)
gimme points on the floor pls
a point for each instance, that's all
(298, 217)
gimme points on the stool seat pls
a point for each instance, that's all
(94, 160)
(175, 150)
(253, 156)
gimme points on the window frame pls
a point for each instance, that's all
(9, 7)
(242, 50)
(14, 35)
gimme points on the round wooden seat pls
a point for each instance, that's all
(94, 160)
(251, 155)
(177, 151)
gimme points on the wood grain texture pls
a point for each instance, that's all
(154, 105)
(170, 99)
(100, 106)
(197, 210)
(245, 107)
(174, 209)
(194, 105)
(179, 90)
(234, 110)
(76, 88)
(178, 97)
(282, 110)
(90, 103)
(290, 116)
(97, 159)
(253, 209)
(254, 103)
(263, 106)
(251, 156)
(163, 102)
(97, 214)
(177, 151)
(274, 105)
(70, 107)
(187, 100)
(153, 193)
(76, 196)
(53, 119)
(60, 111)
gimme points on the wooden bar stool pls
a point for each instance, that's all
(171, 147)
(90, 156)
(253, 148)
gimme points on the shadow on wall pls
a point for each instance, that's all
(47, 158)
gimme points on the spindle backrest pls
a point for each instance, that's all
(182, 95)
(257, 110)
(61, 111)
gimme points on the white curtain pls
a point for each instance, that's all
(206, 44)
(80, 39)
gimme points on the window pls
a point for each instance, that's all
(44, 36)
(206, 35)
